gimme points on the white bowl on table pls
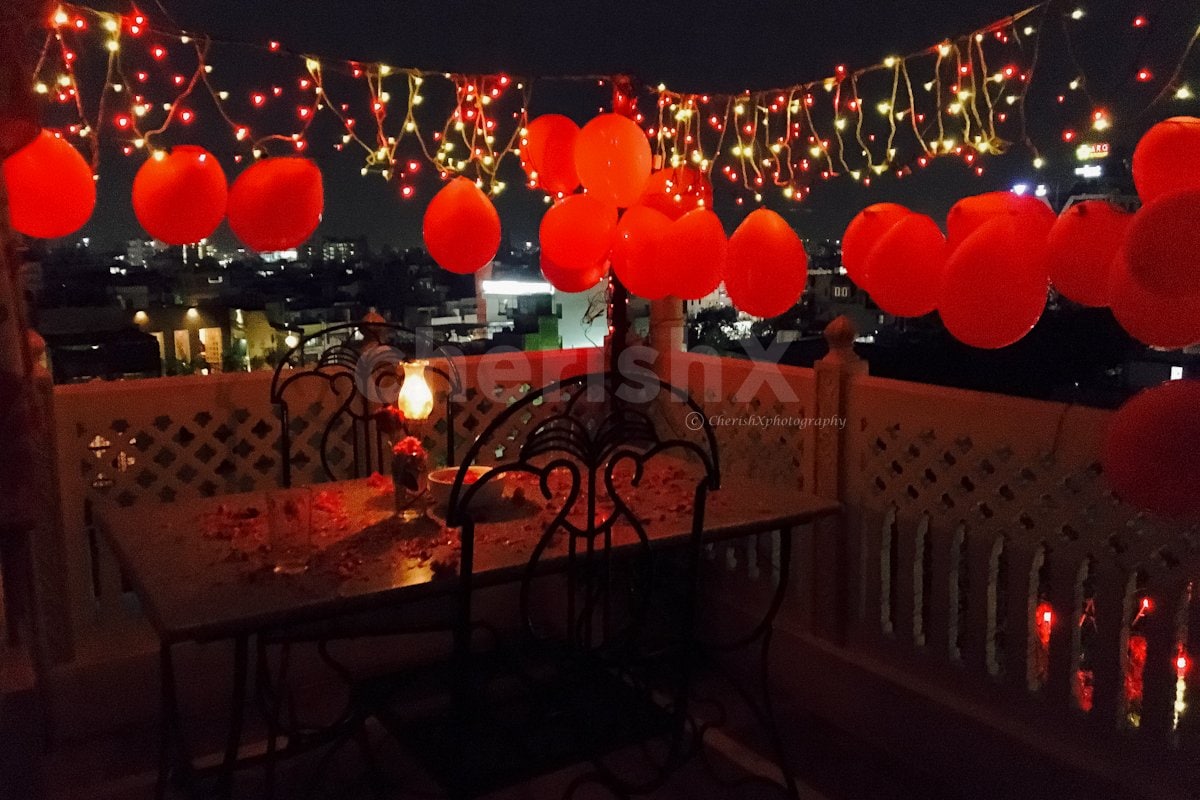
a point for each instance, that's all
(441, 481)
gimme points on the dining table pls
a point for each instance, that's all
(203, 569)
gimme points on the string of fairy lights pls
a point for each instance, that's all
(965, 98)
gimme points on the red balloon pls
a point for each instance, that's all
(766, 267)
(676, 191)
(968, 214)
(548, 153)
(1081, 248)
(1162, 246)
(906, 265)
(995, 283)
(461, 228)
(861, 235)
(1167, 158)
(276, 204)
(692, 254)
(50, 188)
(636, 252)
(1169, 323)
(612, 157)
(180, 198)
(1149, 453)
(577, 232)
(573, 280)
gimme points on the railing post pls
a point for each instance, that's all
(833, 374)
(666, 335)
(51, 614)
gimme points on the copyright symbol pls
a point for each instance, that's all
(694, 421)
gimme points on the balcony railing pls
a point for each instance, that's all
(981, 563)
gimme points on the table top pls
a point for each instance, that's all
(203, 568)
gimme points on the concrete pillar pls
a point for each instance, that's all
(666, 334)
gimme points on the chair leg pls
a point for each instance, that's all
(168, 720)
(237, 713)
(270, 705)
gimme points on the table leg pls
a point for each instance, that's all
(172, 752)
(237, 712)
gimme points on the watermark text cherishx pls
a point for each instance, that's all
(695, 421)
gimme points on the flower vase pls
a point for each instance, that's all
(409, 463)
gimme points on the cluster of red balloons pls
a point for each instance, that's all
(181, 197)
(178, 197)
(668, 241)
(1153, 290)
(987, 277)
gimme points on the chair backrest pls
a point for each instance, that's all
(586, 444)
(332, 425)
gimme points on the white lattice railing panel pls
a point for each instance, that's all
(988, 542)
(777, 447)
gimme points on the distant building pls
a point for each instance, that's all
(140, 252)
(277, 256)
(194, 253)
(531, 314)
(344, 251)
(252, 339)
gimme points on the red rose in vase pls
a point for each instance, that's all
(391, 421)
(409, 463)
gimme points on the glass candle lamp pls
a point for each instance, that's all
(416, 398)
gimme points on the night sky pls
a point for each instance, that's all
(693, 45)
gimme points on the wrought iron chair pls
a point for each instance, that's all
(352, 378)
(606, 643)
(358, 375)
